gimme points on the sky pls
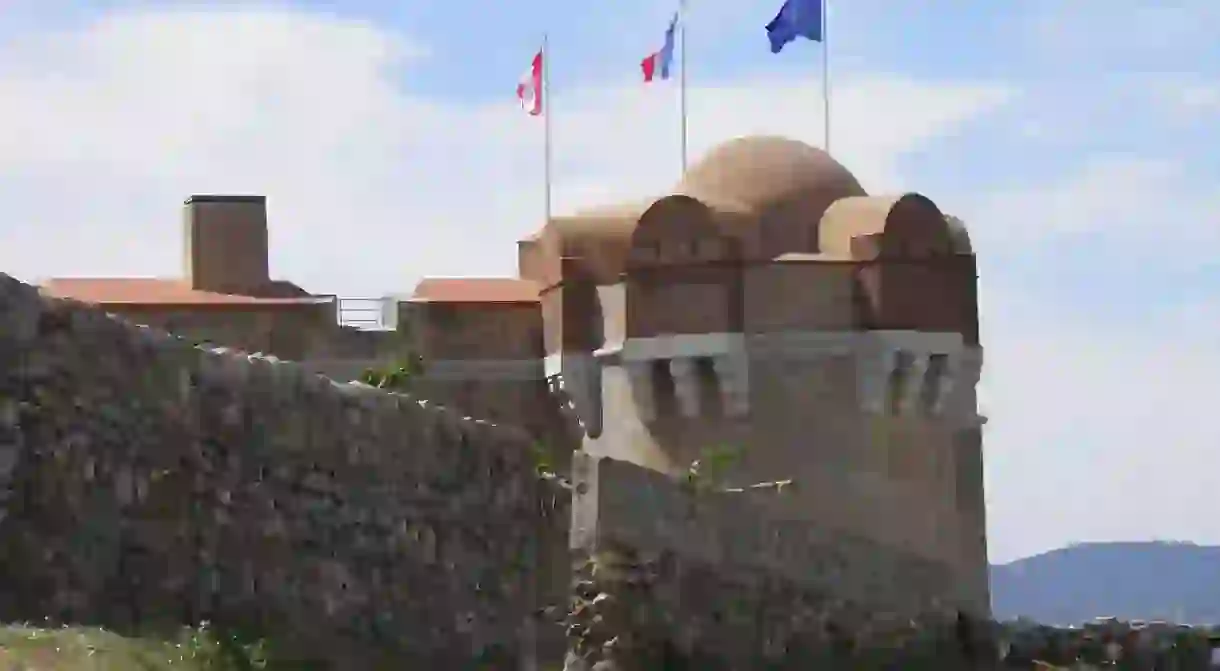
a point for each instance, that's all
(1076, 139)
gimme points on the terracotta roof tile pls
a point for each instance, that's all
(475, 290)
(154, 291)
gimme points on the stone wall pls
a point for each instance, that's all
(724, 580)
(147, 481)
(672, 577)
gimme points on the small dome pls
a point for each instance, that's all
(741, 181)
(762, 171)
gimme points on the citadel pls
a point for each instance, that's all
(766, 301)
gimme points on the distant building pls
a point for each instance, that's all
(226, 296)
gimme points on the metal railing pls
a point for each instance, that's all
(369, 314)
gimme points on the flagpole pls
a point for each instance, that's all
(546, 122)
(682, 80)
(825, 76)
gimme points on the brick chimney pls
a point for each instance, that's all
(225, 241)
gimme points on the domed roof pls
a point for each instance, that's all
(764, 170)
(740, 181)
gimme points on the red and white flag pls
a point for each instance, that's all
(529, 90)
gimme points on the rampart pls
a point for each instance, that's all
(149, 482)
(718, 579)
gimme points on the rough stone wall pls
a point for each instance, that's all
(638, 610)
(344, 353)
(306, 334)
(288, 332)
(725, 580)
(248, 330)
(144, 481)
(148, 481)
(669, 576)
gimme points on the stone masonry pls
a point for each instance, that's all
(720, 580)
(147, 481)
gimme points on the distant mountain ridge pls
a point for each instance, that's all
(1175, 582)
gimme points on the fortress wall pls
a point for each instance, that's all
(147, 481)
(150, 482)
(726, 576)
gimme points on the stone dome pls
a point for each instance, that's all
(761, 171)
(743, 182)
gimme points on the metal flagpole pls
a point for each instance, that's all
(682, 78)
(545, 93)
(825, 76)
(545, 120)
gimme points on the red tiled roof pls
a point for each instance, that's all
(475, 290)
(154, 291)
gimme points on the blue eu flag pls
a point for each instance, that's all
(797, 18)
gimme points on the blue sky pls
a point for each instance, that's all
(1076, 139)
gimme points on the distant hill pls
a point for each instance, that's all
(1177, 582)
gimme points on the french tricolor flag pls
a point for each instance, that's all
(656, 66)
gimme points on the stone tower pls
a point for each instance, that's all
(766, 303)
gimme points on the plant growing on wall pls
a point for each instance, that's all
(709, 472)
(544, 468)
(224, 649)
(397, 378)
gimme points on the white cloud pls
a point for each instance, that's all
(107, 127)
(1198, 99)
(1101, 424)
(1148, 206)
